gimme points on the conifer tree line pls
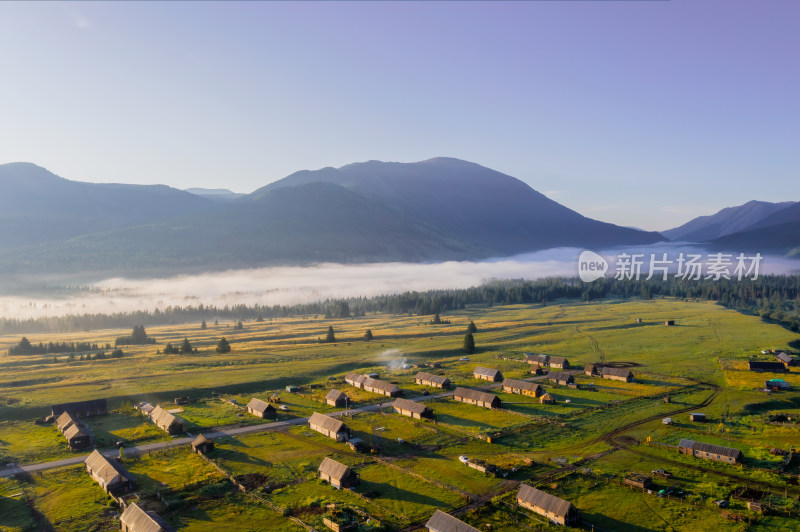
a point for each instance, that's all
(774, 297)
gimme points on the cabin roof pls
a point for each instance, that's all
(73, 431)
(106, 468)
(487, 372)
(326, 422)
(617, 372)
(551, 503)
(443, 522)
(522, 385)
(334, 469)
(709, 448)
(336, 395)
(475, 395)
(411, 406)
(162, 417)
(79, 406)
(137, 519)
(438, 379)
(259, 406)
(380, 385)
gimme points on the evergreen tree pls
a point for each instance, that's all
(239, 326)
(203, 326)
(368, 335)
(471, 327)
(469, 343)
(223, 346)
(186, 347)
(330, 337)
(260, 318)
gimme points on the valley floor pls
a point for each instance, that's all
(580, 448)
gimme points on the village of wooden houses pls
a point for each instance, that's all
(408, 431)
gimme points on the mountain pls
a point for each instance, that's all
(778, 233)
(725, 222)
(471, 204)
(440, 209)
(37, 206)
(217, 194)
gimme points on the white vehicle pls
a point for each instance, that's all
(284, 407)
(667, 421)
(463, 459)
(464, 359)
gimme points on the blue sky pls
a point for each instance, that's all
(641, 113)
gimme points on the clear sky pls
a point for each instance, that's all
(643, 113)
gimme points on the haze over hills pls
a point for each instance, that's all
(440, 209)
(725, 222)
(37, 206)
(778, 233)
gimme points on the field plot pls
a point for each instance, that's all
(25, 442)
(15, 515)
(70, 500)
(415, 467)
(173, 469)
(599, 504)
(403, 496)
(475, 419)
(232, 511)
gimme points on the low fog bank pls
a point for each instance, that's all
(296, 285)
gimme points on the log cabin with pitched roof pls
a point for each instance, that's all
(109, 473)
(428, 379)
(167, 422)
(261, 409)
(553, 508)
(337, 473)
(135, 519)
(328, 426)
(477, 398)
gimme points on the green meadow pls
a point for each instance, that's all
(414, 466)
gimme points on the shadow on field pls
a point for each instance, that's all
(654, 382)
(387, 491)
(231, 455)
(609, 523)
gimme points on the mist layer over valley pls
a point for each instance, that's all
(48, 296)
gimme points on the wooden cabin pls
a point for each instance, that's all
(537, 360)
(487, 374)
(707, 451)
(382, 387)
(109, 473)
(337, 399)
(639, 481)
(442, 522)
(564, 379)
(94, 407)
(135, 519)
(547, 399)
(261, 409)
(78, 437)
(202, 445)
(330, 427)
(617, 374)
(522, 387)
(337, 474)
(475, 397)
(428, 379)
(770, 367)
(165, 421)
(412, 409)
(559, 362)
(355, 379)
(553, 508)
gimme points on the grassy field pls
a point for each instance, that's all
(415, 467)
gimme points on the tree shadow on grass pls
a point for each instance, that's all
(230, 455)
(609, 523)
(387, 491)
